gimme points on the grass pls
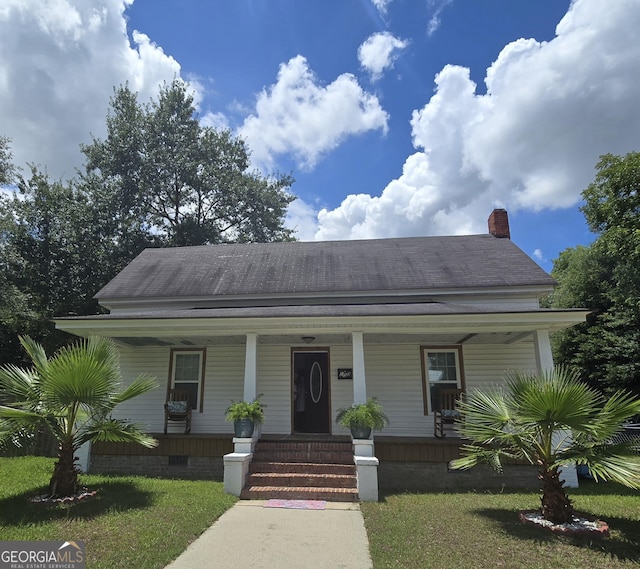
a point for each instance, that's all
(147, 522)
(482, 530)
(133, 521)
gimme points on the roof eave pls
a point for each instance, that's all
(515, 321)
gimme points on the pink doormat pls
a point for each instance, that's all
(296, 504)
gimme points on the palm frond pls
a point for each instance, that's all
(74, 375)
(474, 455)
(36, 353)
(486, 413)
(142, 384)
(113, 430)
(554, 398)
(18, 414)
(617, 409)
(17, 385)
(616, 468)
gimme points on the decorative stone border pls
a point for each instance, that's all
(582, 524)
(46, 499)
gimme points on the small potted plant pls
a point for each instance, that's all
(245, 416)
(362, 418)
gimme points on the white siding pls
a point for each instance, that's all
(274, 384)
(393, 373)
(394, 377)
(486, 365)
(146, 410)
(223, 383)
(341, 390)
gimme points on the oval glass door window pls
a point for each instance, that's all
(315, 382)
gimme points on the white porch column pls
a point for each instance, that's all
(544, 357)
(544, 363)
(84, 456)
(359, 379)
(251, 368)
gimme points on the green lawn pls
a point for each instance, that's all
(482, 530)
(132, 522)
(147, 522)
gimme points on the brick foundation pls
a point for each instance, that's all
(429, 476)
(196, 467)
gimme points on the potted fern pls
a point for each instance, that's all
(362, 418)
(245, 416)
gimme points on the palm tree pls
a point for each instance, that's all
(550, 420)
(72, 395)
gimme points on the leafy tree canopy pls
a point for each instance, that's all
(159, 179)
(7, 169)
(187, 184)
(605, 277)
(55, 257)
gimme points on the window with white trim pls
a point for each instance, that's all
(442, 369)
(187, 373)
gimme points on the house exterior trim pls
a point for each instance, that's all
(527, 320)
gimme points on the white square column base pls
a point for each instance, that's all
(367, 472)
(236, 468)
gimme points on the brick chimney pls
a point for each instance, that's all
(499, 223)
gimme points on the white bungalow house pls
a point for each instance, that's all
(395, 319)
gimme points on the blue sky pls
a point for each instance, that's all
(396, 117)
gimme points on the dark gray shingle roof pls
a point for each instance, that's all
(319, 268)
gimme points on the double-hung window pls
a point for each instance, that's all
(187, 373)
(441, 369)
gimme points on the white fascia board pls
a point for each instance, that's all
(451, 323)
(137, 304)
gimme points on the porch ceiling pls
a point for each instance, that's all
(326, 339)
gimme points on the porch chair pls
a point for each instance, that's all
(177, 408)
(447, 412)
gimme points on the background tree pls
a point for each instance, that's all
(7, 169)
(55, 258)
(180, 182)
(15, 311)
(73, 395)
(159, 179)
(605, 277)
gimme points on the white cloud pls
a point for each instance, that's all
(531, 142)
(219, 121)
(298, 115)
(59, 62)
(379, 52)
(381, 5)
(301, 217)
(437, 6)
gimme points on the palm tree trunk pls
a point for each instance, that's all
(556, 506)
(64, 481)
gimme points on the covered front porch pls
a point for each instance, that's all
(343, 360)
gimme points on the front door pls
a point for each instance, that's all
(311, 410)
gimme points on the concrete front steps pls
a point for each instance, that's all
(302, 470)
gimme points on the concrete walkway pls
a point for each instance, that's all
(250, 535)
